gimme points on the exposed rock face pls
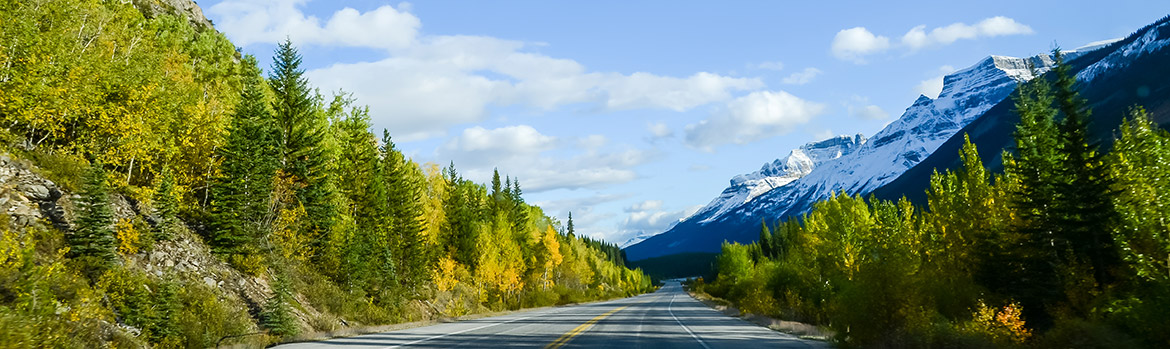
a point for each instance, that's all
(185, 8)
(26, 198)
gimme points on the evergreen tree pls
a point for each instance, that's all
(277, 313)
(305, 154)
(241, 194)
(1085, 213)
(404, 190)
(519, 207)
(569, 227)
(497, 194)
(165, 205)
(93, 237)
(1031, 255)
(765, 241)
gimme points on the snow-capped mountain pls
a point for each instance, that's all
(1112, 75)
(898, 160)
(789, 186)
(799, 162)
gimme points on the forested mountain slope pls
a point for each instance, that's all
(161, 189)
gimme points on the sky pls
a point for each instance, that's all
(634, 114)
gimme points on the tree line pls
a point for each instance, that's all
(1068, 247)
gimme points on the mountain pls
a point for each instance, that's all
(1124, 73)
(737, 213)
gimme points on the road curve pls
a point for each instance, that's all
(668, 318)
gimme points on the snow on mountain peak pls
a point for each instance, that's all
(1153, 40)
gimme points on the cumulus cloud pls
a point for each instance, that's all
(263, 21)
(855, 43)
(648, 216)
(522, 152)
(918, 37)
(429, 83)
(758, 115)
(802, 77)
(659, 131)
(860, 108)
(869, 112)
(933, 86)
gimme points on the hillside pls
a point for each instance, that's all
(161, 190)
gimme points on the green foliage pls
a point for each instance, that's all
(275, 181)
(1069, 246)
(166, 205)
(93, 239)
(241, 194)
(277, 314)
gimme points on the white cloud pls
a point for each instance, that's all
(659, 131)
(918, 37)
(522, 153)
(855, 43)
(771, 66)
(648, 216)
(933, 86)
(648, 205)
(802, 77)
(262, 21)
(562, 207)
(860, 108)
(429, 83)
(521, 139)
(869, 112)
(592, 142)
(759, 115)
(825, 134)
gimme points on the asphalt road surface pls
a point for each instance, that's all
(668, 318)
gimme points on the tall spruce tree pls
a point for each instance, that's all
(93, 237)
(303, 128)
(241, 194)
(166, 205)
(1032, 257)
(1084, 213)
(765, 241)
(569, 229)
(404, 190)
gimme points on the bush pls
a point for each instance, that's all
(1079, 333)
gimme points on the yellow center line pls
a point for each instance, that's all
(565, 338)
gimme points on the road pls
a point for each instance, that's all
(668, 318)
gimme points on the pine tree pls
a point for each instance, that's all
(241, 195)
(569, 227)
(303, 128)
(1085, 213)
(94, 236)
(765, 241)
(277, 314)
(1032, 256)
(497, 194)
(519, 207)
(165, 205)
(404, 190)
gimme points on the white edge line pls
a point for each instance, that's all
(468, 330)
(693, 335)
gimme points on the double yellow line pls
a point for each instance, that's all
(565, 338)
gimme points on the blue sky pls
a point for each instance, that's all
(634, 114)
